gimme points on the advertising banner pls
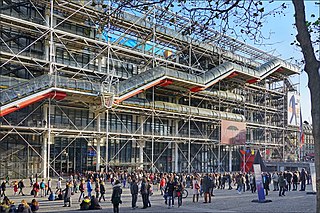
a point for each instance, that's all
(259, 183)
(233, 133)
(293, 109)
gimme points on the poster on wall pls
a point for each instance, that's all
(293, 109)
(233, 133)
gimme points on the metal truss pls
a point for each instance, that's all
(85, 42)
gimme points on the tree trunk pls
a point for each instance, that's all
(312, 68)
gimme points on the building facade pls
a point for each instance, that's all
(307, 146)
(84, 88)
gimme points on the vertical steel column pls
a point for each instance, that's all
(230, 158)
(48, 125)
(176, 157)
(189, 136)
(98, 139)
(44, 147)
(107, 140)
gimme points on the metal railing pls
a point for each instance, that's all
(45, 82)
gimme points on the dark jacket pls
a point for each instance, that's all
(67, 194)
(116, 194)
(170, 188)
(102, 189)
(24, 209)
(143, 188)
(95, 204)
(134, 188)
(206, 184)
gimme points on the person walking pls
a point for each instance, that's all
(21, 186)
(81, 189)
(116, 196)
(59, 186)
(3, 188)
(134, 193)
(49, 185)
(89, 187)
(102, 191)
(97, 187)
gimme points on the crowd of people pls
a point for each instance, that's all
(91, 187)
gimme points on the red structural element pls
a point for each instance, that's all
(247, 160)
(166, 82)
(128, 96)
(280, 69)
(233, 74)
(252, 81)
(197, 89)
(55, 95)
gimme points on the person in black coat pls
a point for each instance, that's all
(134, 193)
(102, 191)
(67, 196)
(116, 196)
(94, 203)
(169, 191)
(144, 193)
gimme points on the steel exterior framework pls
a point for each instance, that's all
(87, 42)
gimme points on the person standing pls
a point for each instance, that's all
(195, 188)
(206, 184)
(134, 193)
(282, 185)
(303, 177)
(295, 181)
(116, 196)
(144, 193)
(67, 196)
(42, 188)
(266, 182)
(275, 179)
(169, 191)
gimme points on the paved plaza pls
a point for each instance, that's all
(223, 201)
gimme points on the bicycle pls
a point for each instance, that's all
(185, 193)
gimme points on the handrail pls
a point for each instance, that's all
(44, 82)
(209, 78)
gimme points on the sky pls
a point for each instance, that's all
(282, 34)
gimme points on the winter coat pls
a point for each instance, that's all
(67, 194)
(116, 194)
(134, 188)
(282, 182)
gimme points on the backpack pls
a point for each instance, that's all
(42, 185)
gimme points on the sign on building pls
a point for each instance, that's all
(233, 133)
(293, 109)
